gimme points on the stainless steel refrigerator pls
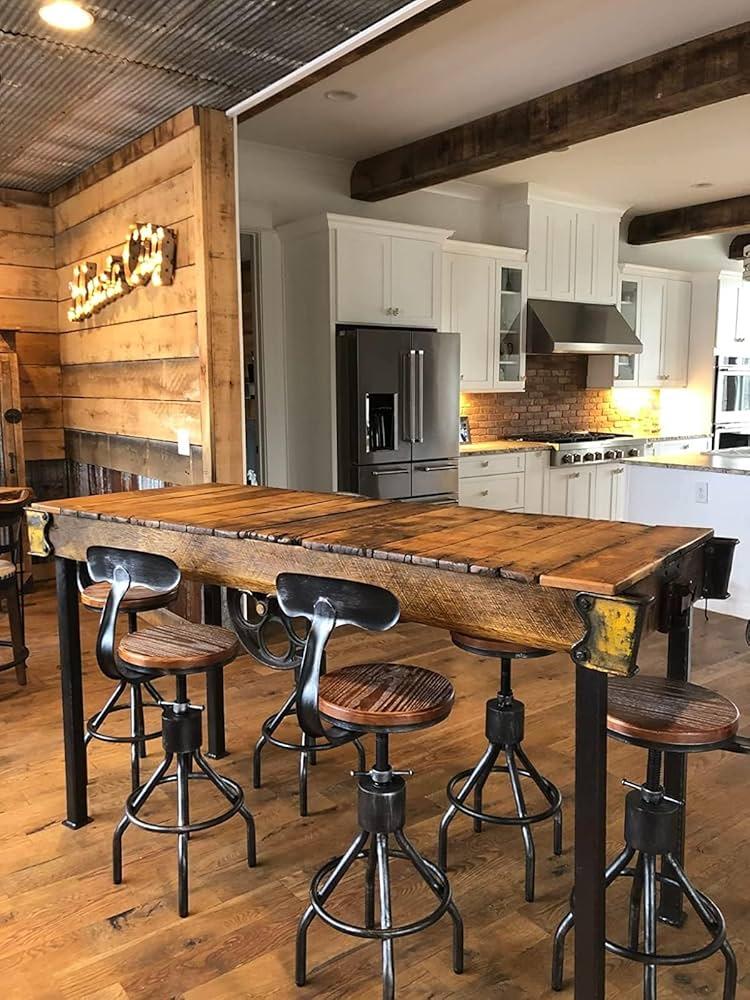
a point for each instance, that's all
(397, 412)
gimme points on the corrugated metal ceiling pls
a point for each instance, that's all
(67, 100)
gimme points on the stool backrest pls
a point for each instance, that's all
(122, 569)
(327, 603)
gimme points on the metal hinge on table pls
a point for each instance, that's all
(613, 633)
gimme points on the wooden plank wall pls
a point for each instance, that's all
(162, 358)
(28, 309)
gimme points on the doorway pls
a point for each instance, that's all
(250, 297)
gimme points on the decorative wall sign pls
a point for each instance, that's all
(147, 256)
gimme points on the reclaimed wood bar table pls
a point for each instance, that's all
(589, 588)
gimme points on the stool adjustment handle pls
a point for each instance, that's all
(652, 794)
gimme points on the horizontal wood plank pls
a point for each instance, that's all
(173, 336)
(43, 444)
(176, 379)
(142, 418)
(41, 412)
(19, 217)
(26, 249)
(18, 282)
(28, 314)
(692, 220)
(40, 380)
(37, 348)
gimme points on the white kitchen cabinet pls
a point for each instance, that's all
(504, 492)
(469, 288)
(677, 446)
(386, 277)
(570, 492)
(508, 481)
(572, 252)
(611, 493)
(733, 315)
(484, 299)
(650, 330)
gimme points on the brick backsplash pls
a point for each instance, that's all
(556, 399)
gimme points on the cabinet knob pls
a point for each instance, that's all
(485, 464)
(618, 472)
(395, 311)
(574, 475)
(389, 311)
(484, 493)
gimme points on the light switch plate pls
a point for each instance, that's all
(183, 441)
(701, 492)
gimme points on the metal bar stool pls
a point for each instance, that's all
(504, 726)
(159, 590)
(379, 698)
(661, 716)
(254, 616)
(12, 503)
(176, 650)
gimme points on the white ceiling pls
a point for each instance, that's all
(491, 54)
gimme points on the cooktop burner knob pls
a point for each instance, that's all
(633, 453)
(609, 454)
(619, 455)
(577, 457)
(566, 459)
(598, 456)
(589, 456)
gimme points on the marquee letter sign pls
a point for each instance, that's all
(148, 256)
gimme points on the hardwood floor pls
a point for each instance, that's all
(66, 931)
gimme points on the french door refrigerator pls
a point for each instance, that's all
(397, 412)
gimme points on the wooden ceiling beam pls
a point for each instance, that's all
(692, 220)
(391, 35)
(704, 71)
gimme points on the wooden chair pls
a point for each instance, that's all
(154, 584)
(13, 499)
(661, 715)
(504, 726)
(176, 650)
(379, 698)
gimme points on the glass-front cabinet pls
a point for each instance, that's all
(510, 356)
(626, 365)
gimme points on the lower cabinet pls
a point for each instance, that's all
(597, 491)
(510, 481)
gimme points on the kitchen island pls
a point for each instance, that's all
(709, 488)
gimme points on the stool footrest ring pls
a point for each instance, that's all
(95, 733)
(526, 820)
(174, 828)
(378, 933)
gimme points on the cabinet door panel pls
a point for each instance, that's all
(563, 243)
(728, 315)
(471, 293)
(742, 329)
(540, 256)
(415, 282)
(495, 492)
(610, 492)
(363, 292)
(570, 492)
(586, 265)
(653, 304)
(605, 280)
(676, 339)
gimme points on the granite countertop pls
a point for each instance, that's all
(675, 437)
(497, 447)
(732, 460)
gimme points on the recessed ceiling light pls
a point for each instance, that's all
(66, 15)
(702, 184)
(341, 96)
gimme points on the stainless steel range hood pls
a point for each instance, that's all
(578, 328)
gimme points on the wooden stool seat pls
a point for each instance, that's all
(179, 649)
(138, 598)
(496, 647)
(385, 694)
(7, 570)
(676, 713)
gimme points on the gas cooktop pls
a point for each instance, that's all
(573, 447)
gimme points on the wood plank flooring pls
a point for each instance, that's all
(66, 931)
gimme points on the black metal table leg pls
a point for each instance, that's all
(72, 694)
(671, 903)
(214, 680)
(590, 832)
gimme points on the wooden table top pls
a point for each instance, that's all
(605, 557)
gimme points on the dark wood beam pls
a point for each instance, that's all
(692, 220)
(737, 246)
(394, 33)
(692, 75)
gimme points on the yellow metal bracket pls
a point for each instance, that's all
(614, 627)
(37, 524)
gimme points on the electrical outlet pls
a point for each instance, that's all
(701, 492)
(183, 441)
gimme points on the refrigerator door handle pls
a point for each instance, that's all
(367, 423)
(412, 395)
(405, 397)
(389, 472)
(420, 409)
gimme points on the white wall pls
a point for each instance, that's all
(659, 495)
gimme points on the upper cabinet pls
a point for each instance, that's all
(572, 249)
(733, 315)
(387, 274)
(657, 304)
(484, 299)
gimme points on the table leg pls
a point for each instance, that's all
(671, 903)
(590, 832)
(214, 680)
(69, 635)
